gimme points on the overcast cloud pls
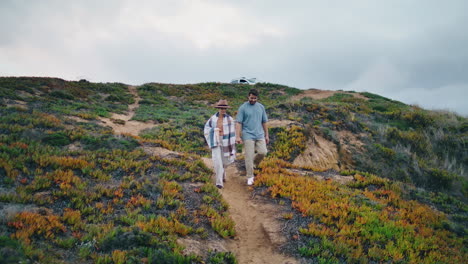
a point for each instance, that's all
(414, 51)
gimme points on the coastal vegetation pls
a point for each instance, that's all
(73, 191)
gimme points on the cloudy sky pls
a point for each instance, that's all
(414, 51)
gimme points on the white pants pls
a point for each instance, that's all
(219, 163)
(252, 158)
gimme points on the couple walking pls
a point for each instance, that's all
(249, 128)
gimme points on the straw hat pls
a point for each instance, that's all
(222, 104)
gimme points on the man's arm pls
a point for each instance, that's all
(265, 130)
(238, 133)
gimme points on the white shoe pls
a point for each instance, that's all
(250, 181)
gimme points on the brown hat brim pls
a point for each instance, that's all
(222, 104)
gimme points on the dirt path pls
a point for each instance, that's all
(258, 225)
(121, 124)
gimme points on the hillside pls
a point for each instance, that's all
(112, 173)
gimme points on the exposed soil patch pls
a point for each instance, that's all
(162, 152)
(78, 119)
(121, 124)
(325, 175)
(323, 154)
(279, 123)
(18, 104)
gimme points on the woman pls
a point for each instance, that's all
(220, 134)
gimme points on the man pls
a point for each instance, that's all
(251, 129)
(220, 135)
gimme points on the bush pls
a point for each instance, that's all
(439, 179)
(56, 139)
(119, 239)
(162, 256)
(387, 153)
(124, 143)
(11, 251)
(114, 98)
(221, 258)
(62, 95)
(108, 142)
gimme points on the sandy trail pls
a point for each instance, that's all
(121, 124)
(258, 235)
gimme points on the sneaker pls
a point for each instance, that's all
(219, 186)
(250, 181)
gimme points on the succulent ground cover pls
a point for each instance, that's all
(364, 221)
(72, 191)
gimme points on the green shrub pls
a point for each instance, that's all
(121, 239)
(338, 97)
(11, 251)
(122, 143)
(386, 152)
(221, 258)
(61, 95)
(440, 179)
(162, 256)
(66, 243)
(108, 142)
(56, 139)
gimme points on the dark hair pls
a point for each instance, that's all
(253, 92)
